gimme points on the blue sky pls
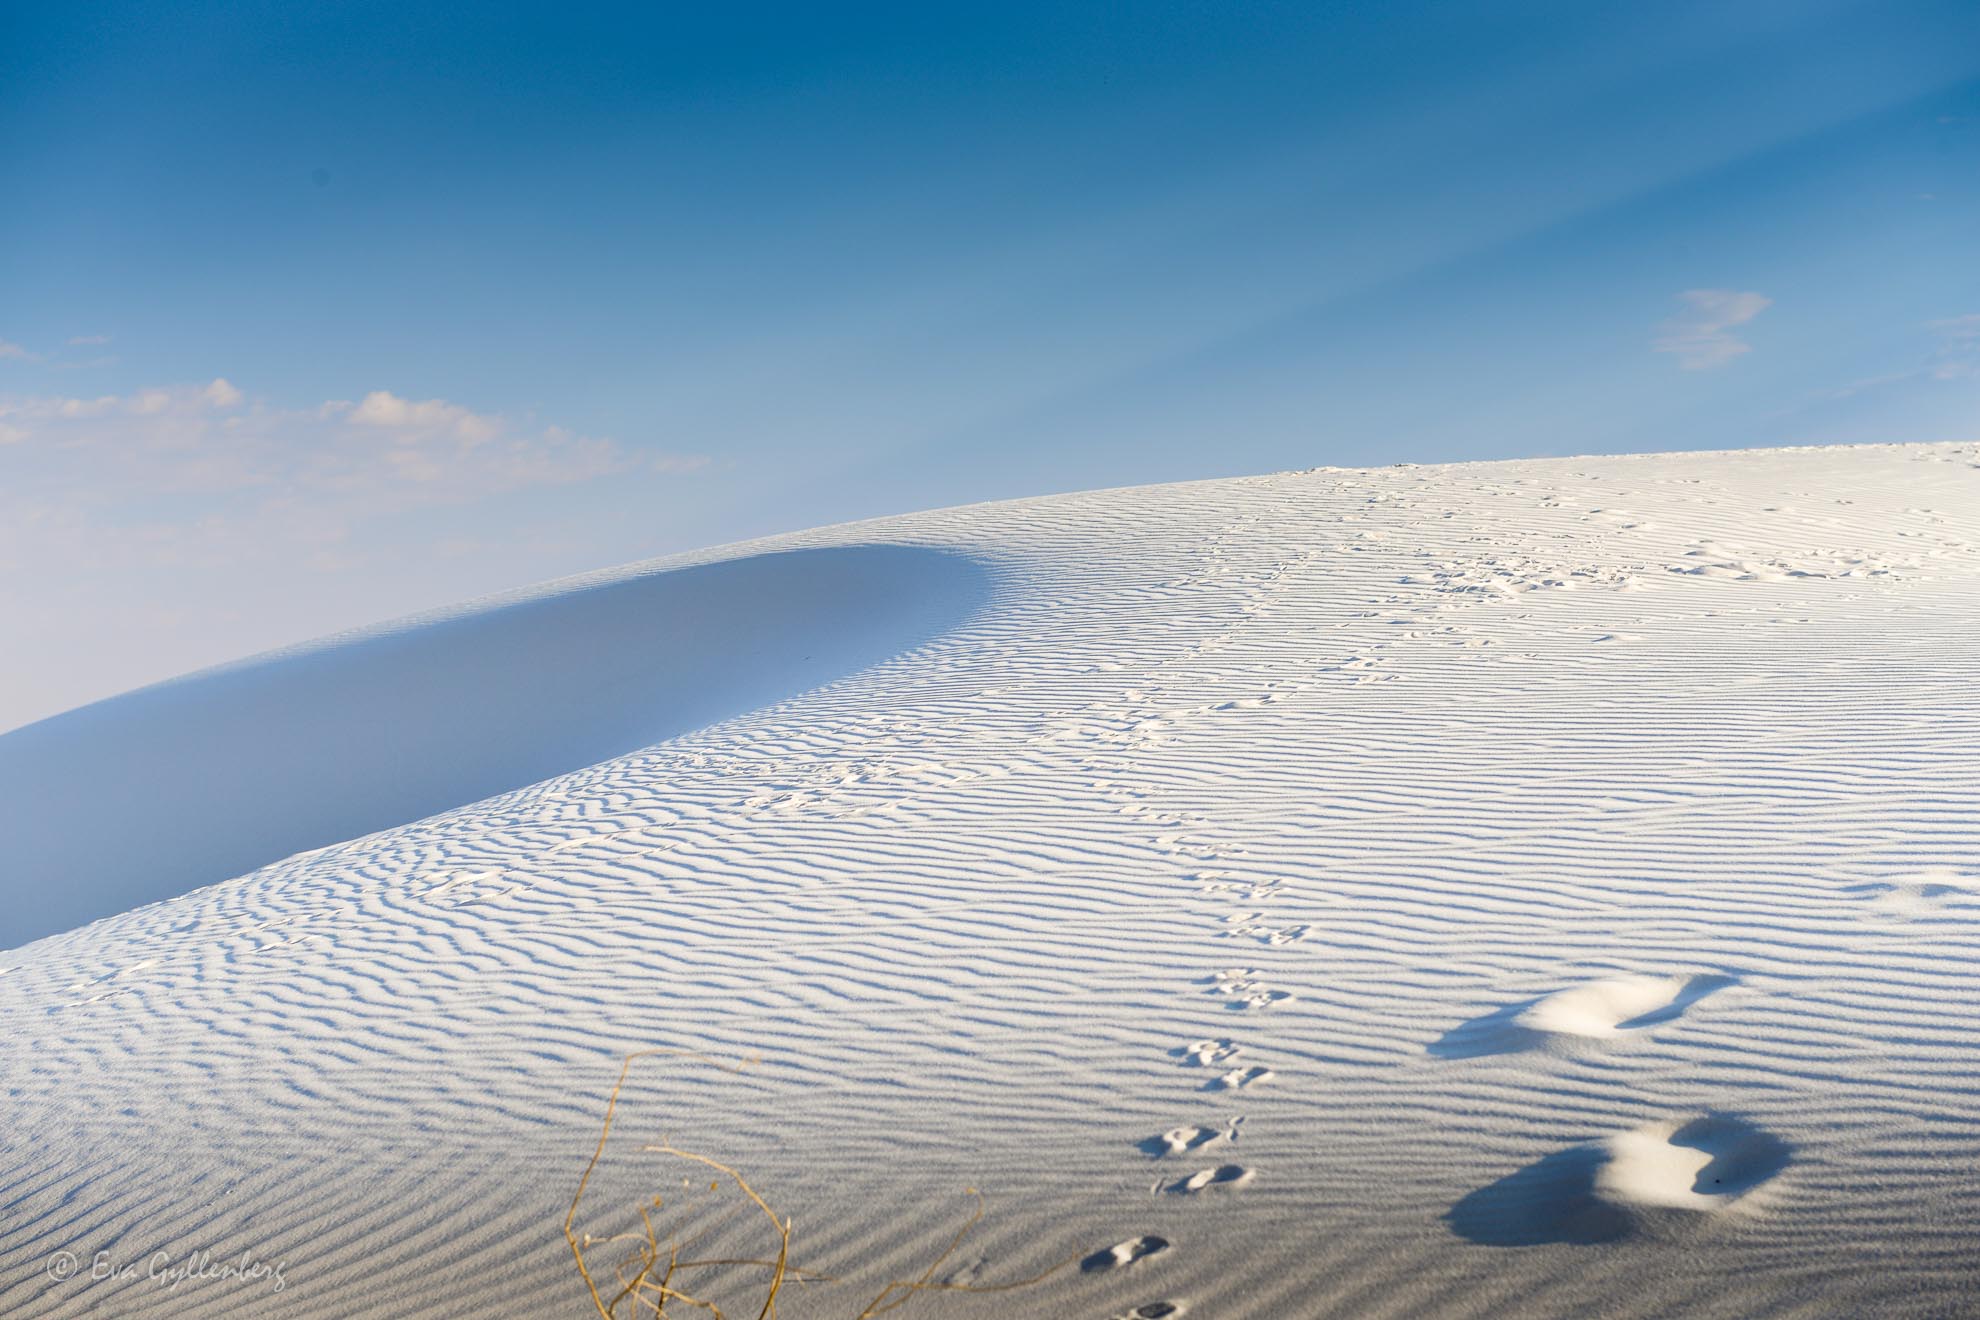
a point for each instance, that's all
(313, 315)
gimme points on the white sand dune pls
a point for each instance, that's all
(1536, 888)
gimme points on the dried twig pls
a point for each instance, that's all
(643, 1287)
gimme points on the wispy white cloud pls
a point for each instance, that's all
(193, 462)
(1959, 348)
(1954, 355)
(1701, 337)
(20, 353)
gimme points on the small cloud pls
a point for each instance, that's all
(74, 409)
(15, 351)
(87, 341)
(382, 408)
(1702, 337)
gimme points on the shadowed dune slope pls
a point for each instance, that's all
(150, 794)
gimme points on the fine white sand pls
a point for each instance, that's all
(1542, 888)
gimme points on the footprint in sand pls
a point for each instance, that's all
(1182, 1140)
(1702, 1164)
(1239, 1078)
(1204, 1053)
(1223, 1176)
(1123, 1254)
(1607, 1009)
(1675, 1172)
(1919, 893)
(1154, 1311)
(465, 887)
(1247, 891)
(1240, 986)
(1256, 930)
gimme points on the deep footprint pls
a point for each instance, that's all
(1239, 1078)
(1705, 1164)
(1123, 1254)
(1203, 1053)
(1204, 1180)
(1182, 1140)
(1600, 1010)
(1672, 1173)
(1919, 894)
(1239, 986)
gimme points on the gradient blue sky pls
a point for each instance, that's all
(495, 293)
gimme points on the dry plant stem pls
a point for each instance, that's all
(643, 1289)
(570, 1219)
(783, 1227)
